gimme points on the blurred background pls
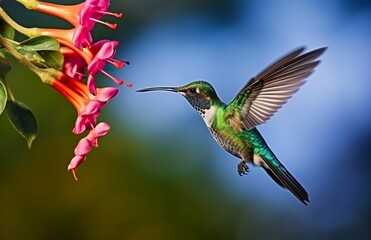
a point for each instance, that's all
(159, 174)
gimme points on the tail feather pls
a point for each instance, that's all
(284, 178)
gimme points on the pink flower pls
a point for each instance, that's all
(82, 16)
(87, 105)
(87, 118)
(94, 10)
(96, 56)
(85, 146)
(86, 14)
(74, 38)
(82, 37)
(81, 56)
(88, 108)
(73, 65)
(103, 52)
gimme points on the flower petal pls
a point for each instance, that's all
(91, 108)
(82, 37)
(102, 129)
(79, 125)
(83, 147)
(92, 85)
(108, 50)
(75, 162)
(106, 94)
(95, 66)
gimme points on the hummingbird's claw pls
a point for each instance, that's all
(242, 168)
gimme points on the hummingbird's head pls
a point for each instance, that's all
(199, 94)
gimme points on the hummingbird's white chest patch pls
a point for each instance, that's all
(209, 115)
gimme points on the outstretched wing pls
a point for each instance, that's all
(264, 94)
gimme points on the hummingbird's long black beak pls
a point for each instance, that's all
(170, 89)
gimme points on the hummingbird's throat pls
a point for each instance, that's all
(205, 109)
(200, 106)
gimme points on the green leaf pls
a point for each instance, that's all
(5, 67)
(43, 51)
(40, 43)
(3, 97)
(53, 59)
(31, 56)
(6, 30)
(23, 120)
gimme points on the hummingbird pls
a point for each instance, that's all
(233, 125)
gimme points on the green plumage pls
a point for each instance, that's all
(233, 126)
(245, 144)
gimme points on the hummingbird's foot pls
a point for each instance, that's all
(242, 168)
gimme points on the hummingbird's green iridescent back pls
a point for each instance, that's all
(233, 126)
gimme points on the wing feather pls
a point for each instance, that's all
(274, 86)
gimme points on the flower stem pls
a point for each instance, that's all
(9, 47)
(47, 75)
(29, 32)
(29, 4)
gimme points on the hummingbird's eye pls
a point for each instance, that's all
(192, 90)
